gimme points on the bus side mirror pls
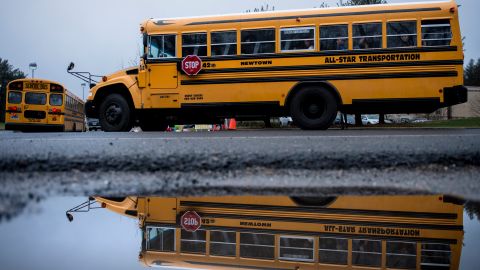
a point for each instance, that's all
(71, 66)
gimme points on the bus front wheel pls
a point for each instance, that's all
(115, 114)
(313, 108)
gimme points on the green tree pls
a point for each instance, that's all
(7, 73)
(472, 73)
(261, 9)
(473, 210)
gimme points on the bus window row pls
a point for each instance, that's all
(331, 250)
(399, 34)
(73, 104)
(33, 98)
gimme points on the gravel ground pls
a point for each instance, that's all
(274, 162)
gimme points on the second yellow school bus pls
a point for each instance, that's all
(39, 105)
(309, 64)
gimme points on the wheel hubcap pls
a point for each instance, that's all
(314, 107)
(113, 114)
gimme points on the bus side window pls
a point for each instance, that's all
(222, 243)
(258, 41)
(333, 250)
(160, 239)
(257, 246)
(194, 44)
(436, 33)
(162, 46)
(401, 34)
(193, 242)
(297, 39)
(366, 252)
(436, 254)
(367, 36)
(294, 248)
(224, 43)
(334, 37)
(401, 255)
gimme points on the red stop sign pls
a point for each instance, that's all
(191, 221)
(191, 65)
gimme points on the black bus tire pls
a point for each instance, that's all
(313, 108)
(115, 114)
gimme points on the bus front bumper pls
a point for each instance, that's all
(91, 110)
(33, 127)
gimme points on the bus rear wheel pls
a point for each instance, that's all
(313, 108)
(115, 114)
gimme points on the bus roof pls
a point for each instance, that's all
(172, 24)
(35, 80)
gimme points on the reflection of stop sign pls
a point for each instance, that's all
(191, 65)
(191, 221)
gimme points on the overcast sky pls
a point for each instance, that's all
(102, 36)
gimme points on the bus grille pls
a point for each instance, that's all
(35, 114)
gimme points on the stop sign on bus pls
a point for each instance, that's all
(190, 221)
(191, 65)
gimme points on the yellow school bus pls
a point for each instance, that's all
(35, 105)
(347, 232)
(307, 64)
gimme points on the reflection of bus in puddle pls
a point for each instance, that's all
(348, 232)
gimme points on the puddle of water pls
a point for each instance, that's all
(420, 232)
(42, 238)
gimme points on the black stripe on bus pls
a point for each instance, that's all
(312, 54)
(333, 221)
(297, 209)
(230, 104)
(342, 14)
(334, 66)
(310, 233)
(402, 75)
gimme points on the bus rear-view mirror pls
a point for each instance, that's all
(71, 66)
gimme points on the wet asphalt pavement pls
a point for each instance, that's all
(282, 162)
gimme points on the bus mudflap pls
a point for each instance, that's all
(455, 95)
